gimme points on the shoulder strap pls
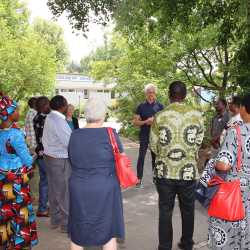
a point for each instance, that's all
(113, 140)
(239, 145)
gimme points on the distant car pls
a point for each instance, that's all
(113, 123)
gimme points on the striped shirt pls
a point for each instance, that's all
(29, 129)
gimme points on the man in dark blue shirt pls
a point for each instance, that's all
(144, 117)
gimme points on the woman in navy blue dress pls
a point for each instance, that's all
(96, 211)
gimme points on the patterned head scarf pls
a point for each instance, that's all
(7, 107)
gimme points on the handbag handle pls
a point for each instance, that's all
(113, 141)
(216, 180)
(239, 144)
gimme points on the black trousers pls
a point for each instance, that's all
(144, 142)
(167, 190)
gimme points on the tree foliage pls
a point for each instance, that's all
(27, 66)
(207, 40)
(15, 15)
(81, 13)
(73, 67)
(27, 61)
(53, 34)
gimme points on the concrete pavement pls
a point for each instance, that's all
(141, 218)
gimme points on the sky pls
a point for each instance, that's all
(78, 45)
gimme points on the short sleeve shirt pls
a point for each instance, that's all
(176, 136)
(146, 110)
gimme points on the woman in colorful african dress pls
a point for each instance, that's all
(226, 235)
(17, 220)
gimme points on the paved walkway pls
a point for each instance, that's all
(141, 215)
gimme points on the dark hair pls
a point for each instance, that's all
(58, 102)
(245, 101)
(177, 89)
(40, 102)
(236, 100)
(32, 102)
(223, 101)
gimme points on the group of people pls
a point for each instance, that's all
(48, 132)
(41, 108)
(174, 135)
(79, 189)
(77, 174)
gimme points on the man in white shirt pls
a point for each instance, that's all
(56, 135)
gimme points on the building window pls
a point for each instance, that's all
(60, 77)
(57, 91)
(67, 90)
(106, 91)
(100, 91)
(86, 94)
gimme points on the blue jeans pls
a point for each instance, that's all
(43, 186)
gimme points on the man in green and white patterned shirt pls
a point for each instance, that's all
(176, 135)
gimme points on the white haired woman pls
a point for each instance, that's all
(71, 120)
(96, 212)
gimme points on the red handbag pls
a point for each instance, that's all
(124, 171)
(227, 203)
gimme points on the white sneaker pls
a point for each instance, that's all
(139, 184)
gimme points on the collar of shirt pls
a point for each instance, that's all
(32, 112)
(236, 117)
(42, 114)
(176, 103)
(151, 103)
(69, 119)
(59, 114)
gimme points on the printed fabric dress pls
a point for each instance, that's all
(225, 235)
(17, 219)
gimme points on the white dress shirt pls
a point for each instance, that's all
(56, 135)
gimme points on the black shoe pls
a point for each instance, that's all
(42, 214)
(182, 247)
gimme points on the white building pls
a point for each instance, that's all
(77, 88)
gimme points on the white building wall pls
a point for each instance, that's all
(77, 89)
(72, 97)
(77, 98)
(105, 96)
